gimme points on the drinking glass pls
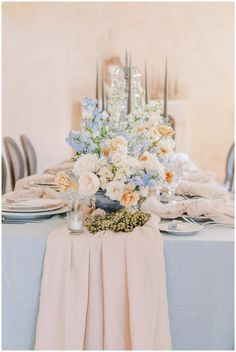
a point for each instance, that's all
(79, 208)
(174, 176)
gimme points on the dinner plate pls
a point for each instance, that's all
(33, 205)
(51, 185)
(38, 215)
(183, 228)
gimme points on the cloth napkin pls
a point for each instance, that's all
(32, 192)
(202, 189)
(60, 167)
(220, 210)
(105, 291)
(186, 164)
(24, 182)
(199, 176)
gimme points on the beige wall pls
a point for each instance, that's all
(50, 51)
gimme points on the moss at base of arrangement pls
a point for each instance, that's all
(122, 220)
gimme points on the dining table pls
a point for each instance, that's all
(199, 279)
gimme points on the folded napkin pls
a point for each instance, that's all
(32, 192)
(185, 162)
(199, 176)
(60, 167)
(23, 182)
(220, 210)
(202, 189)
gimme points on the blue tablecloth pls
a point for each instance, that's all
(200, 286)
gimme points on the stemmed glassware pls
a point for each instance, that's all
(173, 177)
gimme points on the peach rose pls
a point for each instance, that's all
(105, 150)
(166, 131)
(169, 176)
(64, 182)
(129, 197)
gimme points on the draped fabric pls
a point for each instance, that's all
(104, 291)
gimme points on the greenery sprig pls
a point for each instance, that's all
(121, 220)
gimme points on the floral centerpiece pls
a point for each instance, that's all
(121, 157)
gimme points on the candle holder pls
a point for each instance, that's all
(79, 208)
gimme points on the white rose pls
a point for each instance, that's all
(115, 189)
(87, 162)
(118, 159)
(132, 162)
(103, 181)
(104, 171)
(122, 173)
(88, 184)
(150, 162)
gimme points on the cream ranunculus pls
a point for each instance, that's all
(115, 189)
(64, 182)
(166, 131)
(86, 162)
(129, 197)
(150, 162)
(89, 184)
(118, 159)
(118, 144)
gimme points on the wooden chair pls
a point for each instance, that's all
(4, 176)
(30, 155)
(15, 160)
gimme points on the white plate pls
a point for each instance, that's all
(183, 228)
(38, 215)
(33, 205)
(51, 185)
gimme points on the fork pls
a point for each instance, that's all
(208, 223)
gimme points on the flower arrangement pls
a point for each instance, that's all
(122, 155)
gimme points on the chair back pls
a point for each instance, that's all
(4, 176)
(229, 178)
(15, 160)
(30, 155)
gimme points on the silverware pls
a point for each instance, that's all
(208, 223)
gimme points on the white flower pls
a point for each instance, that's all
(87, 162)
(118, 159)
(150, 162)
(115, 189)
(88, 184)
(131, 162)
(144, 191)
(119, 144)
(103, 181)
(105, 171)
(122, 173)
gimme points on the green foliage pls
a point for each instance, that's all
(121, 220)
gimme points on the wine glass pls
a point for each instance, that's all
(173, 177)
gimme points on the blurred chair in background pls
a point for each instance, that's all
(30, 155)
(15, 160)
(229, 178)
(4, 176)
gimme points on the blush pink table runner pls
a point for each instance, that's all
(104, 291)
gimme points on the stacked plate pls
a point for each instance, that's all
(34, 208)
(45, 184)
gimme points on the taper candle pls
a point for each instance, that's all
(103, 95)
(129, 88)
(165, 113)
(146, 87)
(97, 104)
